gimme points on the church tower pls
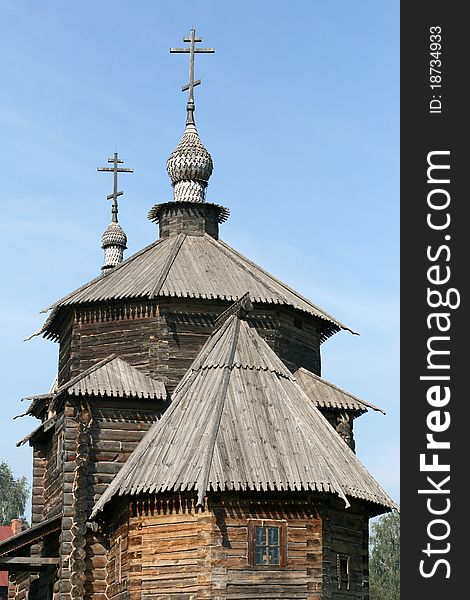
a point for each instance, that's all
(190, 448)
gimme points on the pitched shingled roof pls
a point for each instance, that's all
(240, 421)
(113, 377)
(191, 266)
(110, 377)
(327, 395)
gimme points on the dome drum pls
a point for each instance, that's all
(188, 217)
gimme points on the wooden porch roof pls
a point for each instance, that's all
(28, 537)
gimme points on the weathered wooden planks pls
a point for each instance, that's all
(163, 341)
(175, 551)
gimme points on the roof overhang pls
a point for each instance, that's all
(17, 544)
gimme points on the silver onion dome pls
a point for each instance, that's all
(189, 167)
(113, 242)
(114, 236)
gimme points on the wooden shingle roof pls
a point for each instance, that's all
(191, 266)
(239, 421)
(113, 377)
(327, 395)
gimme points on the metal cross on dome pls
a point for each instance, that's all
(192, 50)
(115, 169)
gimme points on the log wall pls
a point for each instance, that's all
(93, 456)
(172, 550)
(48, 465)
(162, 340)
(345, 534)
(18, 586)
(39, 471)
(67, 351)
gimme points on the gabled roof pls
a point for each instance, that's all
(190, 266)
(240, 421)
(327, 395)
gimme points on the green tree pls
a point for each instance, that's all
(13, 495)
(384, 564)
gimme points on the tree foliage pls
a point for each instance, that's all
(13, 495)
(384, 564)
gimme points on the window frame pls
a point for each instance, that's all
(339, 572)
(282, 526)
(118, 561)
(60, 448)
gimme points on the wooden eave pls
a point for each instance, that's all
(25, 539)
(106, 380)
(38, 406)
(239, 421)
(38, 432)
(188, 266)
(327, 395)
(154, 213)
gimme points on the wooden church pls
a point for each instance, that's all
(190, 448)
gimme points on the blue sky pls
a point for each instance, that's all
(299, 108)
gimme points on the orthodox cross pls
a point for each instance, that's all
(115, 169)
(192, 50)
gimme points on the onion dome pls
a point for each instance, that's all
(189, 167)
(113, 242)
(114, 236)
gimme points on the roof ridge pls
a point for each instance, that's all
(282, 284)
(203, 479)
(264, 362)
(336, 387)
(207, 349)
(141, 449)
(180, 238)
(280, 368)
(244, 267)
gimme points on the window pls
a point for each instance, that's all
(117, 561)
(60, 450)
(343, 574)
(267, 543)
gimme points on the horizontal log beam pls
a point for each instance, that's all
(27, 563)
